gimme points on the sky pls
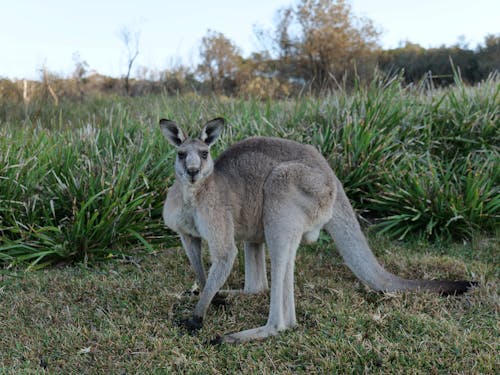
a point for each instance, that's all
(50, 33)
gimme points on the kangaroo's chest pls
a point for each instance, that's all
(186, 222)
(181, 218)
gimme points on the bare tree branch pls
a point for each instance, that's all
(131, 42)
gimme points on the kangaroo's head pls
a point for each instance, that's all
(193, 162)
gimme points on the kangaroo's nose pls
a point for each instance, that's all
(193, 171)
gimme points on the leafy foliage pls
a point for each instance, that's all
(219, 62)
(320, 41)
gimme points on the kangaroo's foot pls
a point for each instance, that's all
(191, 324)
(253, 334)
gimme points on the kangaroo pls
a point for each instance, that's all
(265, 190)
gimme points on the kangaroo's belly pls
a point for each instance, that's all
(247, 214)
(249, 233)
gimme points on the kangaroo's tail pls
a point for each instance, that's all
(352, 245)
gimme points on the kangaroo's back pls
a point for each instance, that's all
(250, 161)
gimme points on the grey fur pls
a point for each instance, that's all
(272, 191)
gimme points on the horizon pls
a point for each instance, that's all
(170, 33)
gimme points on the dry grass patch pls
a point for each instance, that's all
(119, 317)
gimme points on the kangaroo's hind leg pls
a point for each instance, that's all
(282, 250)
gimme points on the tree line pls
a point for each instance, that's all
(314, 46)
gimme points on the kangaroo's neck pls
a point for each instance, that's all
(191, 193)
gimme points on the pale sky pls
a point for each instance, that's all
(34, 33)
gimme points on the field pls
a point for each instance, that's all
(119, 317)
(81, 189)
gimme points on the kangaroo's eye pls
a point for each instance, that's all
(181, 155)
(204, 154)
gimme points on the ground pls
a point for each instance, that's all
(119, 317)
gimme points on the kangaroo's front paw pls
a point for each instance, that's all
(219, 300)
(192, 324)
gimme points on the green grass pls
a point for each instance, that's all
(119, 317)
(74, 194)
(85, 180)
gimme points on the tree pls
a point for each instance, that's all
(489, 55)
(219, 62)
(131, 43)
(80, 72)
(438, 64)
(321, 40)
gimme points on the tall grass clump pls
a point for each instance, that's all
(80, 193)
(446, 180)
(434, 198)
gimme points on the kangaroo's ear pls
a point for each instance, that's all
(172, 132)
(212, 130)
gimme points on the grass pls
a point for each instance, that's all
(81, 191)
(86, 180)
(75, 194)
(119, 317)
